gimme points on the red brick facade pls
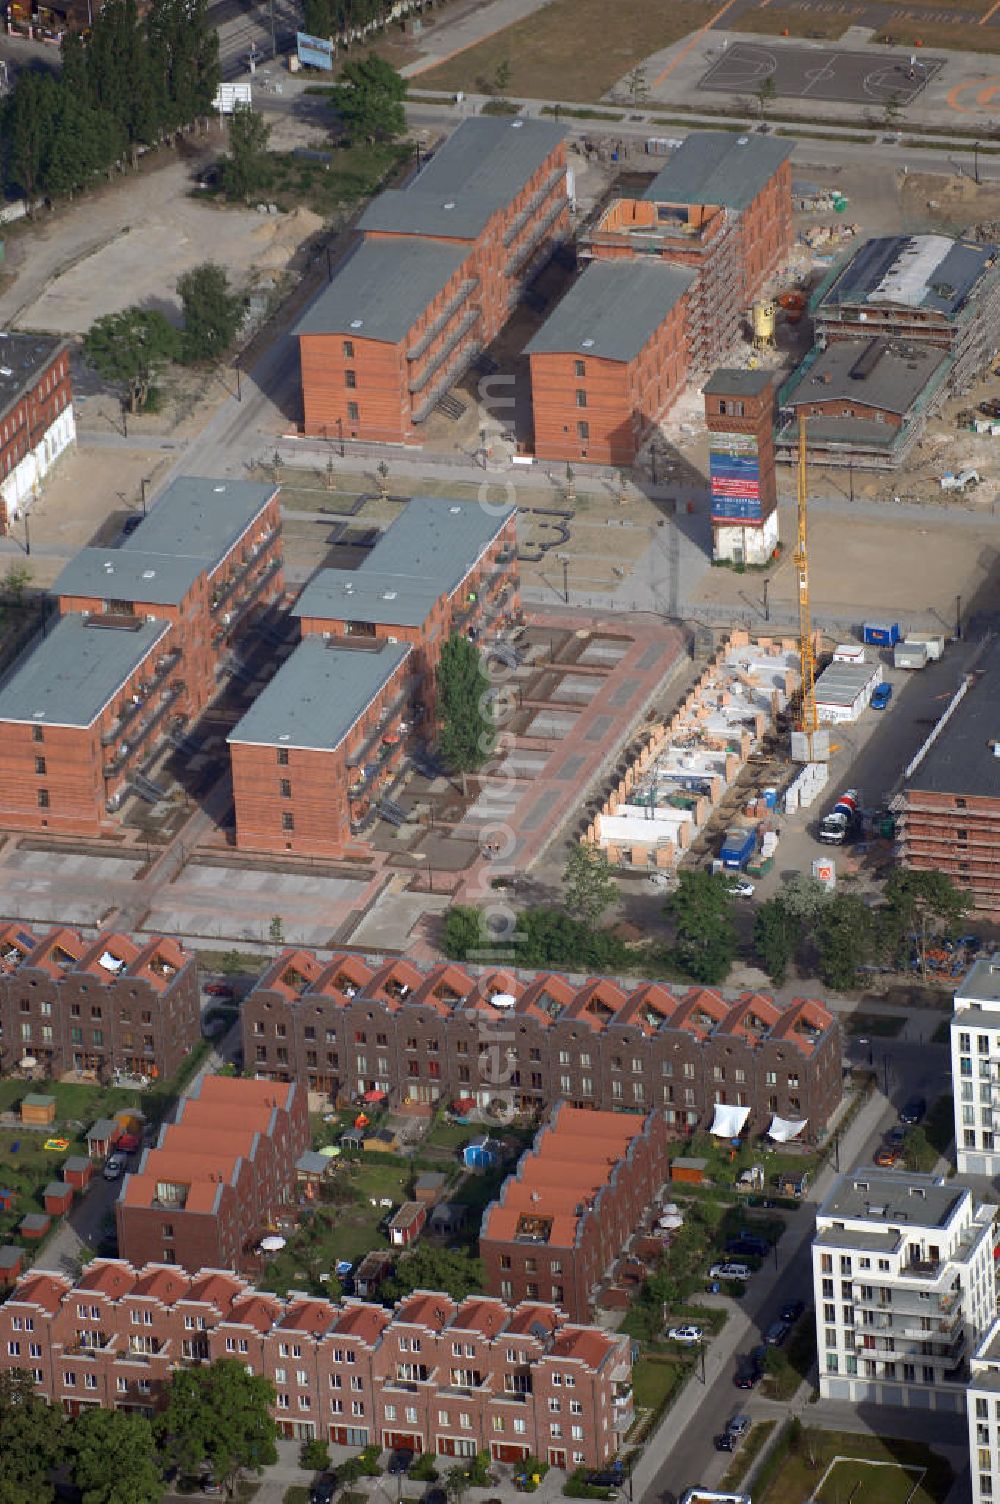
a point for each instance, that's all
(432, 1374)
(577, 1196)
(217, 1178)
(101, 1006)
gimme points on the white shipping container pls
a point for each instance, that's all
(849, 652)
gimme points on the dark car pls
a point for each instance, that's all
(896, 1137)
(792, 1310)
(913, 1112)
(130, 524)
(748, 1246)
(401, 1460)
(323, 1489)
(610, 1477)
(435, 1496)
(220, 990)
(777, 1333)
(727, 1442)
(750, 1369)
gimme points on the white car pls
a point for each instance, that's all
(662, 880)
(686, 1334)
(729, 1271)
(741, 887)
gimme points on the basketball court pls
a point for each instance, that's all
(820, 73)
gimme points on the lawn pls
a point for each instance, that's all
(337, 177)
(450, 1136)
(940, 1124)
(957, 36)
(795, 23)
(568, 50)
(726, 1165)
(868, 1483)
(28, 1172)
(798, 1464)
(656, 1380)
(787, 1366)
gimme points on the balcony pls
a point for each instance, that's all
(389, 712)
(221, 593)
(464, 355)
(535, 201)
(372, 771)
(140, 733)
(465, 323)
(538, 233)
(247, 601)
(164, 665)
(433, 329)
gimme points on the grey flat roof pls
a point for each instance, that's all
(23, 358)
(865, 1242)
(415, 211)
(860, 433)
(719, 167)
(382, 288)
(962, 760)
(199, 518)
(841, 683)
(728, 382)
(612, 310)
(891, 1198)
(129, 575)
(367, 595)
(75, 671)
(915, 271)
(880, 373)
(491, 155)
(981, 983)
(318, 694)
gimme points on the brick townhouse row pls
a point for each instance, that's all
(95, 1006)
(36, 417)
(143, 636)
(330, 736)
(348, 1026)
(438, 270)
(577, 1196)
(218, 1176)
(431, 1374)
(671, 278)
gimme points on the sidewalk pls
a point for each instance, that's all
(647, 1478)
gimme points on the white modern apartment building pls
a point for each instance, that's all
(904, 1288)
(975, 1069)
(984, 1418)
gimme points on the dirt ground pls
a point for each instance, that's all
(130, 242)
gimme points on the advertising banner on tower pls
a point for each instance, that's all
(734, 476)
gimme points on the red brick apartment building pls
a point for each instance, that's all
(609, 361)
(439, 270)
(348, 1025)
(330, 735)
(135, 655)
(36, 417)
(577, 1196)
(218, 1176)
(949, 819)
(432, 1374)
(105, 1005)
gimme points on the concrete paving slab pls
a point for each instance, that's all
(622, 693)
(523, 764)
(72, 864)
(577, 688)
(551, 723)
(391, 919)
(603, 652)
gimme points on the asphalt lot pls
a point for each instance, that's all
(819, 73)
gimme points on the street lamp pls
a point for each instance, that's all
(975, 161)
(340, 436)
(767, 603)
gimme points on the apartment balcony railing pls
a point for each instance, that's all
(141, 733)
(221, 593)
(383, 726)
(470, 317)
(247, 601)
(429, 335)
(463, 356)
(558, 174)
(162, 668)
(529, 243)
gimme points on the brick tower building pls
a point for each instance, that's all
(739, 415)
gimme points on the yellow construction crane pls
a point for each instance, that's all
(807, 662)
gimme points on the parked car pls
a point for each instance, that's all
(881, 695)
(209, 1484)
(610, 1477)
(435, 1496)
(114, 1167)
(888, 1157)
(324, 1489)
(220, 990)
(748, 1246)
(741, 887)
(990, 408)
(750, 1369)
(913, 1112)
(738, 1426)
(400, 1461)
(777, 1333)
(685, 1334)
(896, 1137)
(730, 1271)
(792, 1310)
(727, 1442)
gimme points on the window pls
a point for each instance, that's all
(353, 412)
(37, 733)
(581, 397)
(282, 755)
(287, 820)
(348, 349)
(286, 788)
(583, 430)
(43, 798)
(350, 380)
(579, 368)
(39, 764)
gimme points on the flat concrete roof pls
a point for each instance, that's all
(719, 167)
(129, 575)
(382, 289)
(76, 670)
(318, 694)
(732, 382)
(367, 595)
(881, 373)
(198, 518)
(981, 983)
(23, 358)
(891, 1198)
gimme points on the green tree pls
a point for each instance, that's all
(923, 905)
(212, 314)
(456, 1271)
(502, 76)
(918, 1152)
(128, 348)
(588, 883)
(135, 1477)
(33, 1441)
(369, 97)
(706, 936)
(843, 935)
(245, 170)
(315, 1454)
(317, 18)
(16, 582)
(766, 92)
(466, 726)
(276, 930)
(776, 936)
(456, 1483)
(802, 896)
(219, 1414)
(891, 110)
(462, 932)
(28, 130)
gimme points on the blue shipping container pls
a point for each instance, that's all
(738, 847)
(881, 634)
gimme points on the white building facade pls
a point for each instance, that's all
(904, 1288)
(975, 1069)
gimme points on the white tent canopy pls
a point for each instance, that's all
(728, 1121)
(783, 1129)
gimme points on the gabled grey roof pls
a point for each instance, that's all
(128, 575)
(491, 155)
(198, 518)
(424, 554)
(76, 670)
(382, 289)
(612, 311)
(719, 167)
(413, 211)
(318, 694)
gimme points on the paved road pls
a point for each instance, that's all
(681, 1454)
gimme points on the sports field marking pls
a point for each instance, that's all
(992, 11)
(692, 42)
(914, 1469)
